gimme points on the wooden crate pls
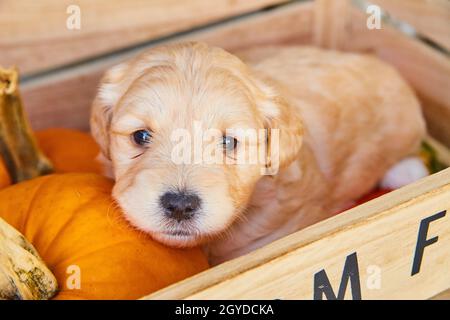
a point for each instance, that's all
(396, 246)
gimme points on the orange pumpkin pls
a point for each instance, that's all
(82, 236)
(68, 150)
(4, 176)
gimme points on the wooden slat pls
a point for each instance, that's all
(63, 99)
(443, 153)
(442, 296)
(383, 234)
(34, 36)
(426, 69)
(430, 18)
(330, 19)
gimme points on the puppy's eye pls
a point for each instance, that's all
(229, 143)
(141, 137)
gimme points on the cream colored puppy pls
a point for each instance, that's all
(340, 121)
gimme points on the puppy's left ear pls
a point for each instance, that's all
(110, 90)
(284, 127)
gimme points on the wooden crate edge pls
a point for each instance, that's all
(375, 209)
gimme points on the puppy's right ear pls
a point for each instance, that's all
(111, 88)
(283, 124)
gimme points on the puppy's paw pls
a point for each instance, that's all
(404, 172)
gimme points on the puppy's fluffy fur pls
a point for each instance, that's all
(344, 119)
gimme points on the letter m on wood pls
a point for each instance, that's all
(350, 274)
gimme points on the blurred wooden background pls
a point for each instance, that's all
(34, 35)
(61, 67)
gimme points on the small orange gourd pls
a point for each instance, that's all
(68, 150)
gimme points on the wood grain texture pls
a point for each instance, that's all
(330, 21)
(34, 36)
(63, 99)
(382, 232)
(429, 18)
(445, 295)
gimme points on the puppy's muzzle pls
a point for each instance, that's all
(180, 206)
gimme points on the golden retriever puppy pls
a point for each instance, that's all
(208, 149)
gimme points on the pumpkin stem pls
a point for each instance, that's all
(18, 148)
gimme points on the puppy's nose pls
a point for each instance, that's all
(180, 205)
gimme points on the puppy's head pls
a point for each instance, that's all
(189, 130)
